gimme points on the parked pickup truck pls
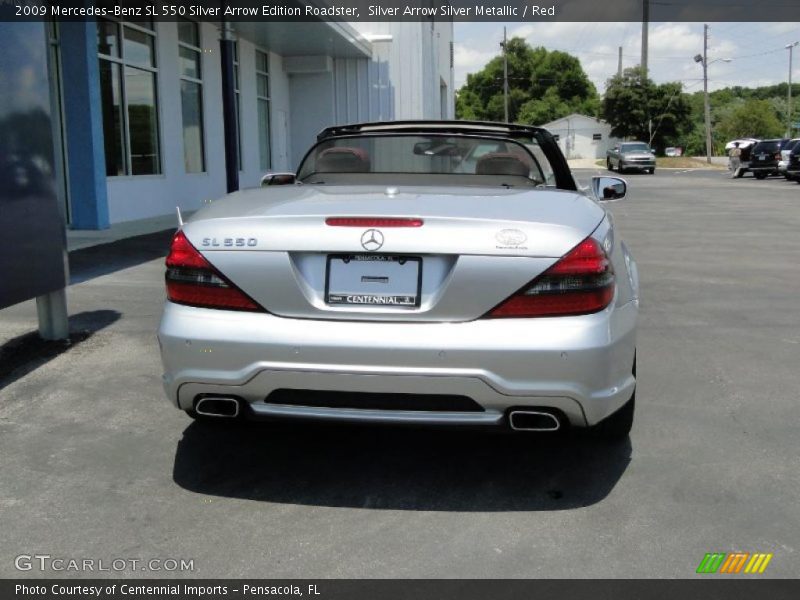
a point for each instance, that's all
(633, 156)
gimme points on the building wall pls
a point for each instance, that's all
(281, 131)
(417, 62)
(312, 93)
(575, 136)
(444, 32)
(409, 77)
(141, 196)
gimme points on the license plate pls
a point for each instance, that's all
(762, 157)
(373, 280)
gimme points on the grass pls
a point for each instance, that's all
(677, 162)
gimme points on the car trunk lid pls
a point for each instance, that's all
(473, 247)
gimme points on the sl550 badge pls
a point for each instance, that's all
(229, 242)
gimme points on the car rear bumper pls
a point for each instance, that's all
(580, 366)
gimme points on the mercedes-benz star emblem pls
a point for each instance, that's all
(371, 240)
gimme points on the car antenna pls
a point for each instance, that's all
(180, 217)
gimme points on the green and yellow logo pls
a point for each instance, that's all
(735, 562)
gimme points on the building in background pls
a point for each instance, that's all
(580, 136)
(141, 103)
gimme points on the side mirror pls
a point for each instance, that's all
(278, 179)
(609, 188)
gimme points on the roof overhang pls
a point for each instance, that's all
(305, 38)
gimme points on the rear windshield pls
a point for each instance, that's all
(768, 146)
(638, 147)
(461, 160)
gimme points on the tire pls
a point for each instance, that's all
(740, 173)
(760, 175)
(652, 171)
(608, 165)
(618, 425)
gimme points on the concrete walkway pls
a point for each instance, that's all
(583, 163)
(79, 239)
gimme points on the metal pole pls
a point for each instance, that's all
(705, 94)
(52, 312)
(789, 104)
(619, 63)
(645, 31)
(229, 116)
(505, 74)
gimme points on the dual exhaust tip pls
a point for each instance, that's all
(533, 420)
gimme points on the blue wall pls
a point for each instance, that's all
(83, 123)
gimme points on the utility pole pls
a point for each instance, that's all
(645, 31)
(703, 60)
(619, 63)
(505, 74)
(790, 47)
(707, 106)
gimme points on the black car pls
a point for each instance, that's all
(765, 156)
(793, 168)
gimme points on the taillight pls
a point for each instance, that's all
(778, 156)
(580, 283)
(192, 280)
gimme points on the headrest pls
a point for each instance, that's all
(343, 160)
(501, 163)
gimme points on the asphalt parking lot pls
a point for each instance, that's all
(96, 464)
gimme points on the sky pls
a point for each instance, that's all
(757, 50)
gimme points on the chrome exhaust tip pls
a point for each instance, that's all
(217, 406)
(531, 420)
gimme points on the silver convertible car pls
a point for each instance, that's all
(447, 273)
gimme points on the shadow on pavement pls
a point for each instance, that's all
(96, 261)
(397, 468)
(26, 353)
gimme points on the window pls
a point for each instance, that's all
(128, 71)
(189, 59)
(597, 136)
(262, 96)
(458, 159)
(556, 137)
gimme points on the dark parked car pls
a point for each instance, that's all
(793, 168)
(765, 157)
(786, 152)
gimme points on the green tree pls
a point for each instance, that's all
(543, 86)
(469, 106)
(637, 108)
(753, 118)
(545, 109)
